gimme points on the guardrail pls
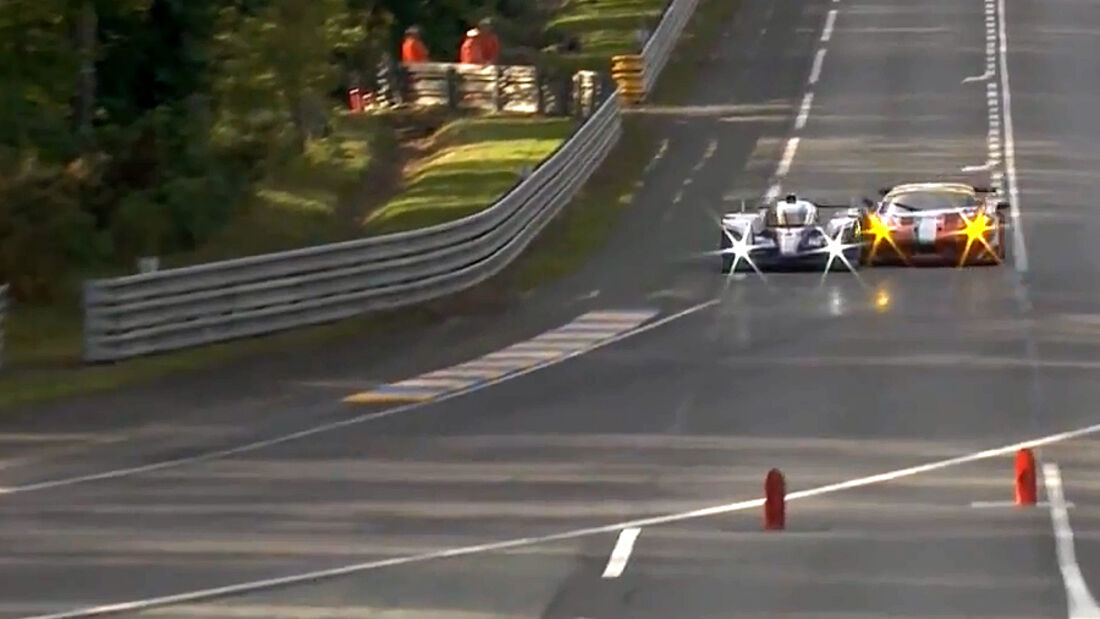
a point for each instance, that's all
(658, 49)
(167, 310)
(3, 315)
(497, 88)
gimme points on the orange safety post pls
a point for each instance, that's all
(1025, 478)
(775, 496)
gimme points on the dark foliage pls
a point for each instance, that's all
(134, 127)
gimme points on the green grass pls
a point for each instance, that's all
(571, 239)
(49, 369)
(702, 32)
(605, 28)
(43, 344)
(309, 200)
(476, 161)
(583, 227)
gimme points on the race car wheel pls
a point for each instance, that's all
(858, 237)
(1002, 247)
(727, 260)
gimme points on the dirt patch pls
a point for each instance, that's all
(408, 141)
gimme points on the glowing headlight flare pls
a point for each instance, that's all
(882, 232)
(836, 248)
(882, 299)
(741, 250)
(975, 231)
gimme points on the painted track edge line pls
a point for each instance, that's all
(310, 577)
(1019, 249)
(1078, 597)
(335, 425)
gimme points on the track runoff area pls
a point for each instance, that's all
(1027, 476)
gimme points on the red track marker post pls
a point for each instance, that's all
(775, 496)
(355, 100)
(1025, 478)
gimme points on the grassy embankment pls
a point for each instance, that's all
(461, 168)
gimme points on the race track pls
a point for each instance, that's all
(829, 380)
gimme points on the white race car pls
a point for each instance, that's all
(792, 234)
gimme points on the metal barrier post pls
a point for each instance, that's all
(3, 315)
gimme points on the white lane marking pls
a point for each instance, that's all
(1008, 504)
(804, 111)
(657, 157)
(993, 136)
(712, 147)
(989, 72)
(358, 419)
(708, 153)
(1080, 600)
(830, 21)
(621, 553)
(788, 157)
(308, 577)
(815, 71)
(1019, 249)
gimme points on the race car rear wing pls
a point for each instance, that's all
(848, 209)
(1001, 206)
(977, 189)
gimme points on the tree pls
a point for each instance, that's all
(38, 68)
(274, 66)
(87, 31)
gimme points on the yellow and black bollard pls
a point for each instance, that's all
(629, 74)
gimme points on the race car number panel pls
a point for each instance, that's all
(926, 231)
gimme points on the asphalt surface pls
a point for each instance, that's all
(813, 377)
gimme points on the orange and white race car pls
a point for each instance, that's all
(935, 223)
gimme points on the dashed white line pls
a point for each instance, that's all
(658, 156)
(815, 72)
(621, 553)
(804, 111)
(788, 157)
(1008, 504)
(689, 180)
(309, 577)
(712, 147)
(1081, 603)
(830, 21)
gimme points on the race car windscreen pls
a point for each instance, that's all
(931, 200)
(790, 218)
